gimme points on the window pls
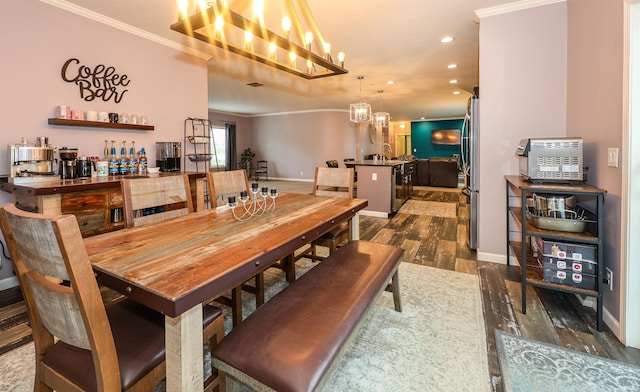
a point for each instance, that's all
(218, 147)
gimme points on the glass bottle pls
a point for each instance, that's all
(142, 164)
(105, 152)
(113, 160)
(133, 161)
(123, 164)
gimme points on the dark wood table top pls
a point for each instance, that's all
(173, 265)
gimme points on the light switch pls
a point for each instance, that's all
(374, 176)
(612, 160)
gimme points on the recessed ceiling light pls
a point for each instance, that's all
(453, 81)
(422, 118)
(391, 82)
(456, 92)
(446, 40)
(451, 66)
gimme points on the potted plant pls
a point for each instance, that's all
(246, 160)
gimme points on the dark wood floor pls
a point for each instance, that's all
(552, 317)
(438, 242)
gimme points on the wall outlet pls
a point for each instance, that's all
(301, 173)
(374, 176)
(609, 276)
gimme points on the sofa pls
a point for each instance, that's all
(438, 172)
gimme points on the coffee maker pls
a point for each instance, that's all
(68, 162)
(31, 163)
(168, 156)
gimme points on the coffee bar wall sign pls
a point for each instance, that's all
(99, 82)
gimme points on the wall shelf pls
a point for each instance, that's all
(99, 124)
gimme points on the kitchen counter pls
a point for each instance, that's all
(379, 162)
(96, 202)
(385, 184)
(55, 185)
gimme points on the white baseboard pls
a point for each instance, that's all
(289, 179)
(376, 214)
(493, 258)
(9, 283)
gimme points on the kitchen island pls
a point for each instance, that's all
(96, 202)
(385, 184)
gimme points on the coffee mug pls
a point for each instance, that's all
(123, 118)
(103, 116)
(77, 115)
(133, 119)
(63, 111)
(92, 115)
(144, 120)
(113, 117)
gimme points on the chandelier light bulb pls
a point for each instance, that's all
(292, 59)
(248, 37)
(272, 50)
(219, 23)
(308, 37)
(341, 59)
(327, 50)
(286, 26)
(201, 5)
(258, 8)
(183, 9)
(309, 66)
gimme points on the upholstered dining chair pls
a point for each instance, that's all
(81, 344)
(221, 185)
(334, 182)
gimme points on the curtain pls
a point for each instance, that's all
(231, 153)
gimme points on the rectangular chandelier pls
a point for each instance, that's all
(260, 44)
(360, 112)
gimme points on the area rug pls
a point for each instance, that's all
(532, 366)
(437, 343)
(431, 208)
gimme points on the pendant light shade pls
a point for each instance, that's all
(381, 119)
(360, 112)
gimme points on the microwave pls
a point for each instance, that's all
(551, 159)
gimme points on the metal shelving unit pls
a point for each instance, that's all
(199, 145)
(517, 192)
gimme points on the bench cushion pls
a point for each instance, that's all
(290, 342)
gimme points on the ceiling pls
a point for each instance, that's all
(382, 40)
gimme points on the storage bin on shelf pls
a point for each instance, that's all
(572, 264)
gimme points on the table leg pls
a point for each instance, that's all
(183, 339)
(355, 227)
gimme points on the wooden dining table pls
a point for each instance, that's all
(180, 264)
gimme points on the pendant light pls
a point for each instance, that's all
(381, 119)
(360, 112)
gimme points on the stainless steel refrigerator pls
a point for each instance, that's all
(469, 147)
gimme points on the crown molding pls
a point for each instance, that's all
(512, 7)
(86, 13)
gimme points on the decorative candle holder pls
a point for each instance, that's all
(256, 204)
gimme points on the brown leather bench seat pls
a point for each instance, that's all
(292, 341)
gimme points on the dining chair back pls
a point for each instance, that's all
(221, 185)
(227, 183)
(336, 182)
(79, 343)
(154, 199)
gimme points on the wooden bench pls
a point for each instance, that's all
(293, 341)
